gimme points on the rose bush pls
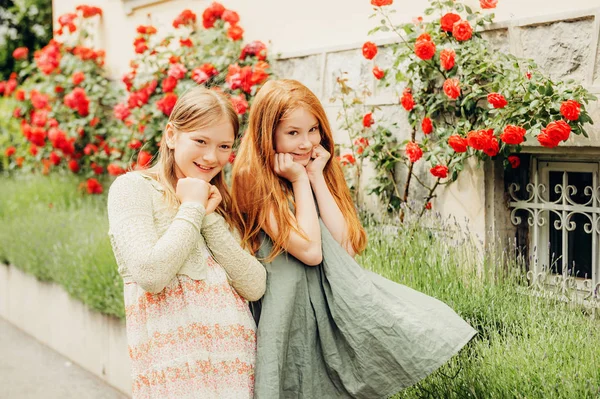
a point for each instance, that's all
(212, 55)
(73, 117)
(463, 99)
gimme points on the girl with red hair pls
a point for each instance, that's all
(327, 328)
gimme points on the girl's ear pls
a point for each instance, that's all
(170, 135)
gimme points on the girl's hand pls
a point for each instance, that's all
(214, 199)
(190, 189)
(287, 168)
(317, 164)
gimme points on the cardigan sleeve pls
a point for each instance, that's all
(151, 260)
(248, 276)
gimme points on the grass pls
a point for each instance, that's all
(527, 347)
(57, 233)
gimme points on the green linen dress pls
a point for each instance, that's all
(337, 330)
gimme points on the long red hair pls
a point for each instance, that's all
(257, 190)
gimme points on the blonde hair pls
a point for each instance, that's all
(196, 109)
(257, 190)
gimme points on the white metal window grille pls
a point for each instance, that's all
(562, 208)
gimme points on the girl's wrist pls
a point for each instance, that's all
(315, 176)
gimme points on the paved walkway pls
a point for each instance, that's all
(30, 370)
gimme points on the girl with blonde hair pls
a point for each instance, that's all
(327, 328)
(186, 278)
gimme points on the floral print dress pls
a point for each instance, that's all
(195, 339)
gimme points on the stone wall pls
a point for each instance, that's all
(565, 46)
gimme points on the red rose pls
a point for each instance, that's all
(89, 11)
(513, 135)
(235, 32)
(407, 100)
(135, 144)
(255, 48)
(187, 17)
(369, 50)
(20, 95)
(558, 131)
(231, 16)
(378, 72)
(361, 143)
(10, 151)
(447, 57)
(121, 111)
(140, 48)
(143, 159)
(368, 120)
(167, 103)
(478, 139)
(209, 69)
(426, 126)
(424, 49)
(212, 14)
(428, 206)
(488, 3)
(55, 158)
(38, 100)
(545, 140)
(33, 150)
(439, 171)
(90, 149)
(484, 140)
(48, 58)
(491, 146)
(462, 31)
(514, 161)
(199, 76)
(457, 143)
(381, 3)
(177, 71)
(448, 20)
(115, 170)
(347, 159)
(78, 77)
(570, 110)
(39, 117)
(73, 166)
(452, 88)
(20, 53)
(239, 104)
(78, 100)
(497, 100)
(94, 121)
(168, 85)
(413, 151)
(186, 42)
(232, 157)
(94, 186)
(146, 30)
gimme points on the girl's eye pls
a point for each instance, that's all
(293, 133)
(201, 141)
(225, 146)
(314, 129)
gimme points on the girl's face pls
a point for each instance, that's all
(298, 134)
(203, 153)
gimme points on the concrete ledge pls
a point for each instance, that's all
(96, 342)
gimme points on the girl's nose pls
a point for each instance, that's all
(210, 156)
